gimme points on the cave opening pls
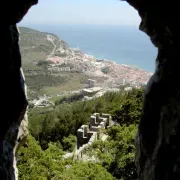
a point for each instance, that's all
(157, 145)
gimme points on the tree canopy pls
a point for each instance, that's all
(53, 133)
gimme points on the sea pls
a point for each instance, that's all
(122, 44)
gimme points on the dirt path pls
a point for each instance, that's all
(51, 39)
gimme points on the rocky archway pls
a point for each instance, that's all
(157, 141)
(13, 123)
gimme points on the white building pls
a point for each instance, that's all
(91, 83)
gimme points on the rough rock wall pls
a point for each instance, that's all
(13, 123)
(15, 137)
(13, 104)
(158, 137)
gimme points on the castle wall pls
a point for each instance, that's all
(86, 134)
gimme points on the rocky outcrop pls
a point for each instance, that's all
(14, 135)
(13, 123)
(157, 141)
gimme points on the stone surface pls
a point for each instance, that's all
(157, 141)
(13, 123)
(91, 132)
(87, 134)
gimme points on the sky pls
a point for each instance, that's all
(107, 12)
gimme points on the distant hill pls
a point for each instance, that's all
(35, 48)
(51, 66)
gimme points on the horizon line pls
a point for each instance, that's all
(69, 24)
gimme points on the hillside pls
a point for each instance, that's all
(35, 46)
(35, 49)
(51, 66)
(52, 144)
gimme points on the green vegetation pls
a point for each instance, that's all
(52, 84)
(35, 164)
(73, 81)
(67, 98)
(53, 133)
(56, 98)
(117, 153)
(43, 63)
(69, 143)
(70, 98)
(105, 70)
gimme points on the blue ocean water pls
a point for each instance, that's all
(124, 45)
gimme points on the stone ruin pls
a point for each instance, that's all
(87, 134)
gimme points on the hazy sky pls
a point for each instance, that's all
(111, 12)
